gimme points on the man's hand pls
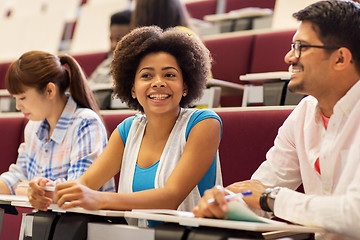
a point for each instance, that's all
(255, 186)
(219, 207)
(216, 209)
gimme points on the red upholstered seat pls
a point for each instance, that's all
(10, 139)
(231, 59)
(3, 69)
(231, 56)
(269, 51)
(89, 62)
(247, 136)
(238, 4)
(200, 9)
(112, 120)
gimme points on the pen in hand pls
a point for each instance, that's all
(231, 196)
(46, 188)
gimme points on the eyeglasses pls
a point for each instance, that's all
(297, 46)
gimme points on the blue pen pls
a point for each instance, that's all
(231, 196)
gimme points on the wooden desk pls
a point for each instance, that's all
(273, 86)
(175, 223)
(221, 223)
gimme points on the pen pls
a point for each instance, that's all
(46, 188)
(228, 197)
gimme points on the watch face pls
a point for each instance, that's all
(275, 191)
(272, 195)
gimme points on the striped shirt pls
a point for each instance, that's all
(77, 140)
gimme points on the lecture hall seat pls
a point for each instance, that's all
(199, 9)
(10, 138)
(231, 57)
(3, 69)
(90, 61)
(238, 4)
(269, 51)
(246, 138)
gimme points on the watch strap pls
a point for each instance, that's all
(264, 200)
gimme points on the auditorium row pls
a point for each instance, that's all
(233, 55)
(245, 140)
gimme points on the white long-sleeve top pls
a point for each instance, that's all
(332, 198)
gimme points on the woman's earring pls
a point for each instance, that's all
(185, 93)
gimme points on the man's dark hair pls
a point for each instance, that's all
(121, 18)
(337, 23)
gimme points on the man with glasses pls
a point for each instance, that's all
(319, 144)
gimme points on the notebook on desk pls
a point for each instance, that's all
(7, 199)
(221, 223)
(56, 208)
(238, 211)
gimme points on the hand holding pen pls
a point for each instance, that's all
(48, 187)
(41, 192)
(232, 196)
(214, 202)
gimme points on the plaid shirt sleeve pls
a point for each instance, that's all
(89, 140)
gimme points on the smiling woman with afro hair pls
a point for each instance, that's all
(192, 56)
(167, 155)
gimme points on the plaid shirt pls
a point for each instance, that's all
(77, 140)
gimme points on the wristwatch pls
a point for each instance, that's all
(267, 199)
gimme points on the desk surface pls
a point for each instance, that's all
(7, 199)
(4, 93)
(267, 76)
(220, 223)
(55, 208)
(23, 201)
(188, 220)
(239, 14)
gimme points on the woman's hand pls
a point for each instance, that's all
(74, 194)
(40, 198)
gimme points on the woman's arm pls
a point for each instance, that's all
(199, 153)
